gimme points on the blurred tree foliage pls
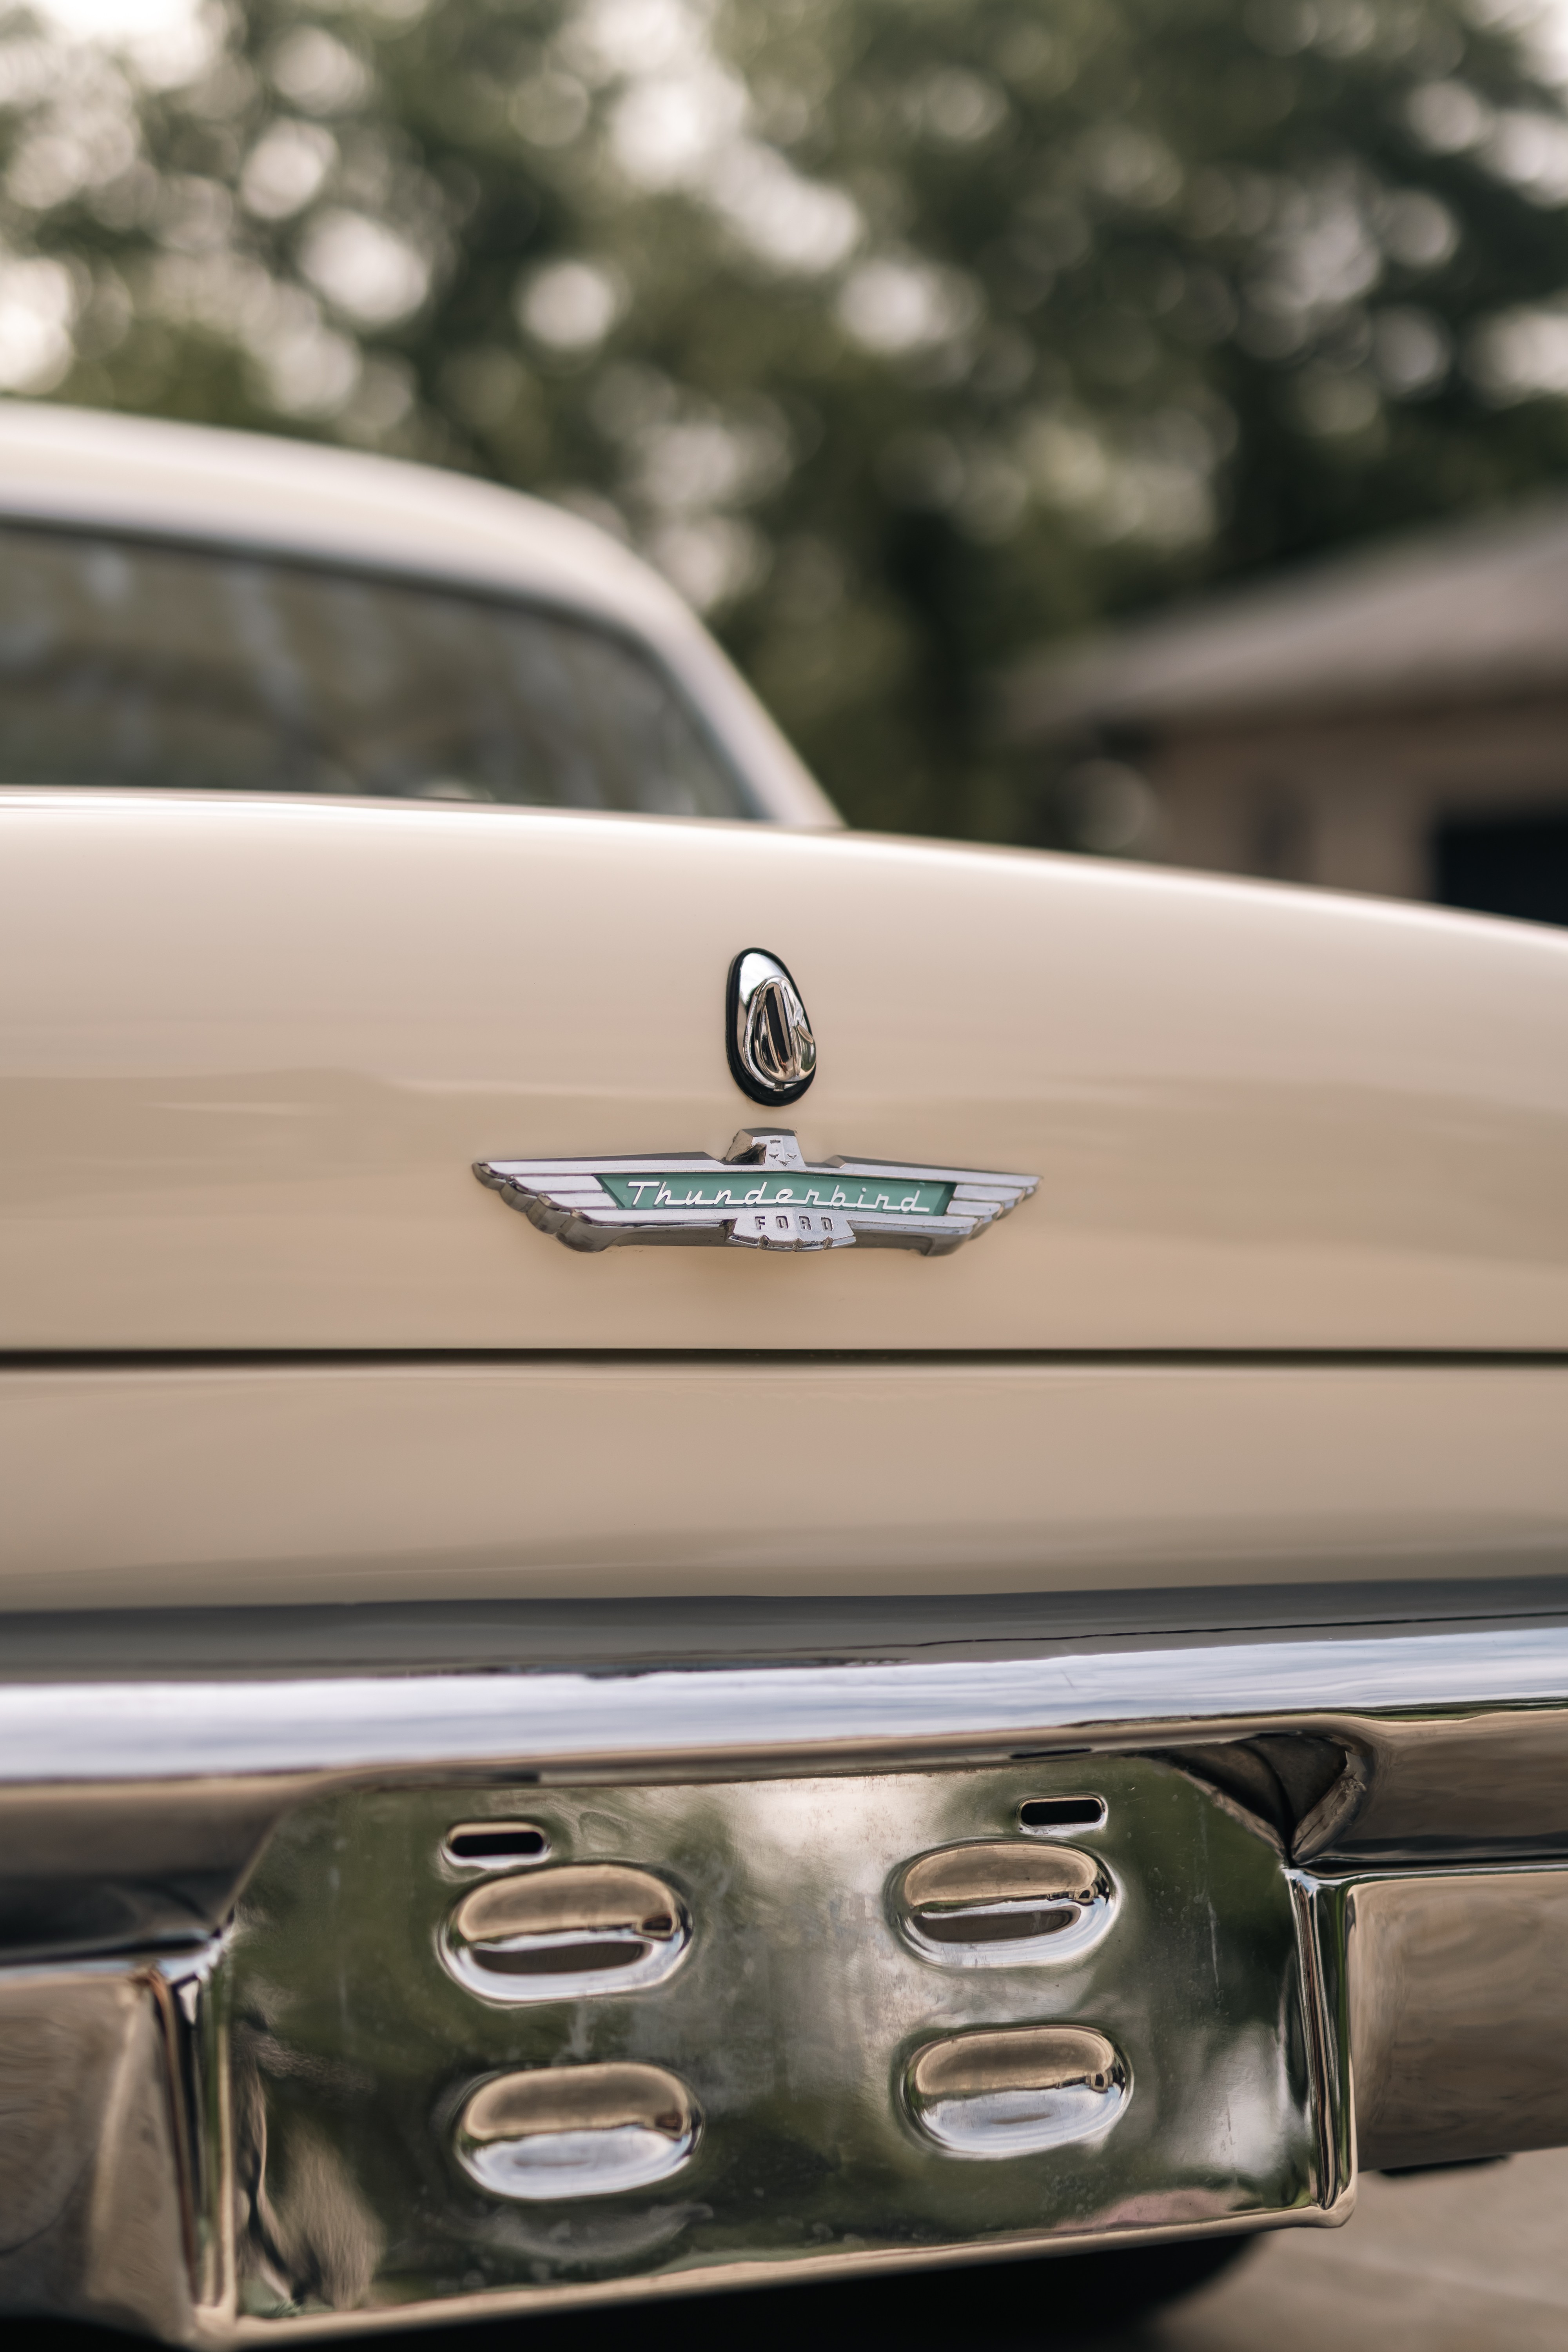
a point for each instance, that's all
(905, 334)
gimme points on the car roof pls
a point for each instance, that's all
(83, 468)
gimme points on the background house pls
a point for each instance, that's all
(1396, 722)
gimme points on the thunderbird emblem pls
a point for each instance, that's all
(764, 1194)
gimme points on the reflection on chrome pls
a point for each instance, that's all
(576, 2131)
(1017, 2092)
(560, 1934)
(976, 1709)
(1004, 1903)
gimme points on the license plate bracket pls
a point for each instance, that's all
(898, 2024)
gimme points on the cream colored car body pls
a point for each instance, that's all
(1287, 1312)
(251, 1049)
(1301, 1164)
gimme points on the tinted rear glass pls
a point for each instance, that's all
(123, 663)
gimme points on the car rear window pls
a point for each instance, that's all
(124, 663)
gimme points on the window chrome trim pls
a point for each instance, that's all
(564, 605)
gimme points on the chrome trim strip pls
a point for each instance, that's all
(147, 1730)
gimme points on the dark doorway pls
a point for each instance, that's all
(1505, 865)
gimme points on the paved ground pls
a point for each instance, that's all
(1458, 2261)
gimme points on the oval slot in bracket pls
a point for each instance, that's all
(563, 1932)
(556, 2132)
(1037, 1813)
(1004, 1903)
(496, 1845)
(1017, 2091)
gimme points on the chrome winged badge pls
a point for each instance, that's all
(762, 1195)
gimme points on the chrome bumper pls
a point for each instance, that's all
(344, 2000)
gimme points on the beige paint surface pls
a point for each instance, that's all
(249, 1051)
(344, 1482)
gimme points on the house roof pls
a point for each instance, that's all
(1451, 615)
